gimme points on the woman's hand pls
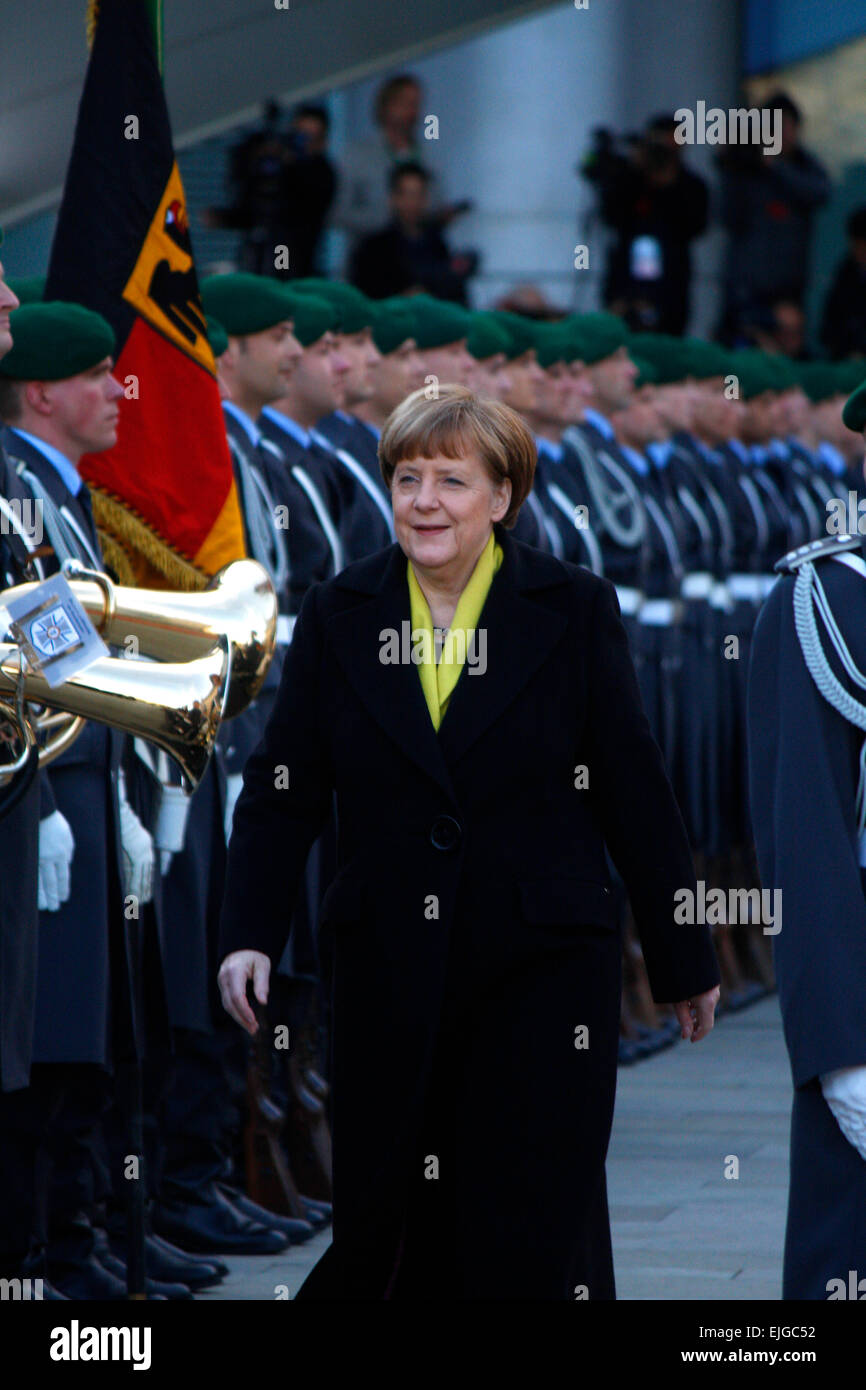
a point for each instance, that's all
(695, 1015)
(235, 970)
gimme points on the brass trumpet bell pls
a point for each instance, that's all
(177, 706)
(240, 604)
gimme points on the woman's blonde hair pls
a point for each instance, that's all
(453, 422)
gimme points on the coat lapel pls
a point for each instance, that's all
(519, 634)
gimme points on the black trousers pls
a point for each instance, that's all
(50, 1171)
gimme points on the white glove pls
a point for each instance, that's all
(169, 831)
(845, 1093)
(234, 785)
(56, 848)
(137, 849)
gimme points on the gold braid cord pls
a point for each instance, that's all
(136, 552)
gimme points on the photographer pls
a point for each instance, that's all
(410, 254)
(656, 207)
(283, 184)
(768, 201)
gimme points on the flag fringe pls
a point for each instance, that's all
(127, 531)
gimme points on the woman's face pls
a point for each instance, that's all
(444, 509)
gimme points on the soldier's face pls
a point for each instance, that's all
(397, 375)
(84, 409)
(491, 376)
(262, 364)
(449, 364)
(320, 376)
(525, 377)
(8, 302)
(362, 357)
(553, 395)
(613, 381)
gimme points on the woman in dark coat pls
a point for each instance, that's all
(471, 928)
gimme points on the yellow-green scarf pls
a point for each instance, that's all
(439, 680)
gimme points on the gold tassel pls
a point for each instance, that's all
(132, 540)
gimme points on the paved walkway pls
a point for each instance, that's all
(681, 1229)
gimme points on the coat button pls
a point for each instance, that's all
(445, 833)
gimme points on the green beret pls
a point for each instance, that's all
(552, 344)
(55, 340)
(486, 337)
(750, 367)
(354, 309)
(646, 371)
(245, 303)
(522, 332)
(217, 336)
(439, 322)
(854, 409)
(393, 323)
(311, 316)
(28, 289)
(599, 336)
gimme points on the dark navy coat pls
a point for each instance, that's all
(804, 769)
(471, 923)
(19, 858)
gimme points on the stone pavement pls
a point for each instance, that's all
(681, 1229)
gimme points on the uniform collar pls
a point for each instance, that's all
(290, 426)
(549, 448)
(247, 424)
(636, 459)
(63, 466)
(599, 422)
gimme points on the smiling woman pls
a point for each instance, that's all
(470, 930)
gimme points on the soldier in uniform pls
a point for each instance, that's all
(349, 447)
(200, 1208)
(807, 720)
(22, 1230)
(59, 401)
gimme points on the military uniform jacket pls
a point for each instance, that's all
(804, 770)
(469, 866)
(84, 994)
(19, 855)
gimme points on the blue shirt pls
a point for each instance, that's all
(290, 426)
(68, 472)
(830, 455)
(244, 421)
(660, 451)
(635, 459)
(739, 449)
(548, 448)
(601, 423)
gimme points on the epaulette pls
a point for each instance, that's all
(816, 550)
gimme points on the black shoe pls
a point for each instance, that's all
(298, 1231)
(213, 1224)
(89, 1280)
(52, 1295)
(319, 1210)
(164, 1247)
(115, 1265)
(168, 1265)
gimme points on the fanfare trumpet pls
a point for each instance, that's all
(209, 652)
(239, 604)
(177, 706)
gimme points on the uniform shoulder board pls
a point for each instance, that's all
(816, 550)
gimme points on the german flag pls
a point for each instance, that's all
(164, 497)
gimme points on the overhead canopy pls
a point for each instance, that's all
(221, 60)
